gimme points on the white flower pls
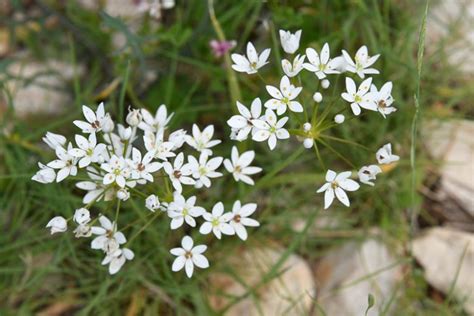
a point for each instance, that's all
(143, 168)
(155, 124)
(66, 163)
(204, 169)
(152, 203)
(368, 173)
(270, 129)
(290, 42)
(201, 141)
(325, 83)
(252, 62)
(337, 184)
(117, 259)
(133, 117)
(57, 224)
(189, 256)
(117, 171)
(217, 222)
(108, 239)
(383, 99)
(181, 210)
(96, 189)
(293, 69)
(108, 124)
(154, 143)
(54, 140)
(339, 118)
(88, 151)
(359, 98)
(284, 97)
(95, 120)
(384, 155)
(179, 173)
(240, 214)
(240, 167)
(321, 65)
(178, 138)
(242, 123)
(45, 174)
(82, 230)
(362, 62)
(82, 216)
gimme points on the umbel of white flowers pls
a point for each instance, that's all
(114, 166)
(268, 126)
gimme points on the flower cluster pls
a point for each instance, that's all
(110, 161)
(285, 100)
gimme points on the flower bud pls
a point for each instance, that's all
(325, 84)
(307, 127)
(123, 194)
(82, 216)
(317, 97)
(134, 117)
(177, 138)
(152, 203)
(339, 119)
(290, 42)
(57, 224)
(108, 124)
(54, 140)
(308, 143)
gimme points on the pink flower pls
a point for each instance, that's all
(219, 48)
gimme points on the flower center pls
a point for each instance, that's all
(357, 99)
(237, 168)
(253, 65)
(382, 104)
(202, 170)
(188, 255)
(334, 184)
(215, 222)
(237, 218)
(117, 172)
(177, 174)
(285, 100)
(95, 124)
(89, 152)
(185, 212)
(140, 167)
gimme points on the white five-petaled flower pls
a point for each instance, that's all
(117, 171)
(152, 203)
(285, 97)
(142, 168)
(290, 42)
(89, 151)
(181, 210)
(189, 256)
(383, 99)
(202, 141)
(108, 239)
(57, 224)
(54, 140)
(359, 98)
(252, 62)
(337, 184)
(204, 169)
(270, 129)
(240, 218)
(321, 64)
(117, 259)
(154, 143)
(362, 62)
(384, 155)
(66, 163)
(217, 222)
(95, 120)
(155, 124)
(239, 165)
(293, 69)
(45, 174)
(243, 123)
(368, 173)
(179, 172)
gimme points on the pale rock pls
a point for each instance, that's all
(442, 252)
(450, 26)
(38, 88)
(346, 277)
(452, 142)
(291, 293)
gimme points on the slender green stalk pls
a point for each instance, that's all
(123, 90)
